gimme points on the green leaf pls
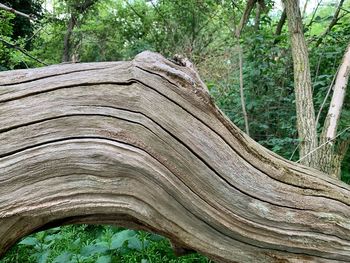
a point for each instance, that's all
(77, 241)
(42, 258)
(29, 241)
(104, 259)
(119, 238)
(51, 237)
(103, 243)
(155, 237)
(54, 230)
(135, 243)
(93, 249)
(40, 235)
(63, 258)
(317, 19)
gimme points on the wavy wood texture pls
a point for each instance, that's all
(141, 144)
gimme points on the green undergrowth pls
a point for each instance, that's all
(95, 244)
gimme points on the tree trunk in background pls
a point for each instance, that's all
(77, 9)
(141, 144)
(304, 9)
(329, 150)
(339, 156)
(302, 85)
(257, 16)
(67, 42)
(244, 19)
(259, 9)
(241, 89)
(281, 23)
(248, 9)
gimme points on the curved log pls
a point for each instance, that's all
(141, 144)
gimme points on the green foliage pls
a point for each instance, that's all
(90, 244)
(6, 30)
(16, 33)
(22, 27)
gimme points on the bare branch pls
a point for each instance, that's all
(314, 13)
(295, 150)
(338, 97)
(10, 9)
(326, 97)
(234, 5)
(324, 144)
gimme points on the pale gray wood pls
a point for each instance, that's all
(141, 144)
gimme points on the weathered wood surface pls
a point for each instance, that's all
(141, 144)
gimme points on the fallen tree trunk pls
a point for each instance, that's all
(141, 144)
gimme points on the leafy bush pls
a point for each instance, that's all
(100, 244)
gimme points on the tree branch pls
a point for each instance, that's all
(323, 144)
(314, 13)
(10, 9)
(304, 9)
(248, 9)
(326, 97)
(260, 7)
(82, 7)
(22, 51)
(341, 81)
(334, 21)
(281, 23)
